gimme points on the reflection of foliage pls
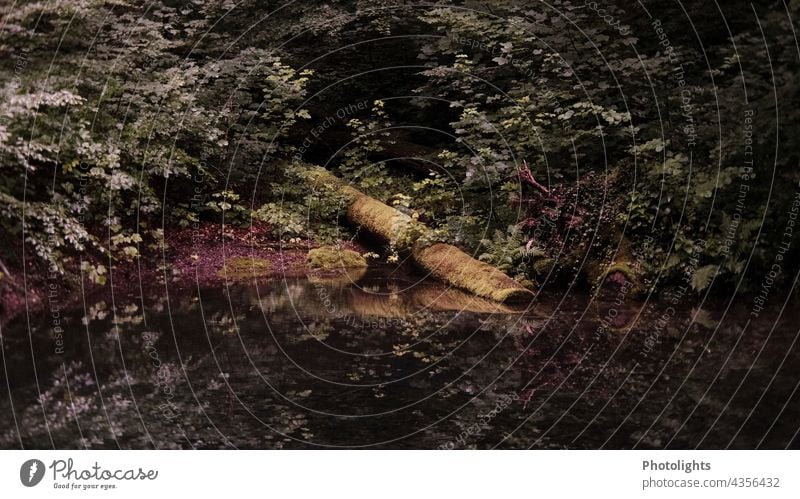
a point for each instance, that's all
(373, 355)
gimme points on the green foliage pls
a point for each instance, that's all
(368, 138)
(50, 231)
(702, 277)
(300, 212)
(434, 199)
(188, 113)
(511, 252)
(560, 87)
(122, 121)
(227, 203)
(285, 219)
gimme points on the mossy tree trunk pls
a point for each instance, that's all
(619, 274)
(442, 261)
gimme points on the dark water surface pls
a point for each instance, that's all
(391, 362)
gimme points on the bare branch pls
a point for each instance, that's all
(526, 176)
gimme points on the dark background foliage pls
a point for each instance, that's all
(124, 119)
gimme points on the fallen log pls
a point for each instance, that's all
(442, 261)
(449, 264)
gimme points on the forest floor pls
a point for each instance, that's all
(192, 256)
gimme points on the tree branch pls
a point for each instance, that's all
(7, 277)
(526, 176)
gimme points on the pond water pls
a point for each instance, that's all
(382, 359)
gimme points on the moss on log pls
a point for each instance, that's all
(443, 261)
(390, 225)
(450, 264)
(331, 258)
(243, 267)
(619, 274)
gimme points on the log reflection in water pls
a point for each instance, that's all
(423, 297)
